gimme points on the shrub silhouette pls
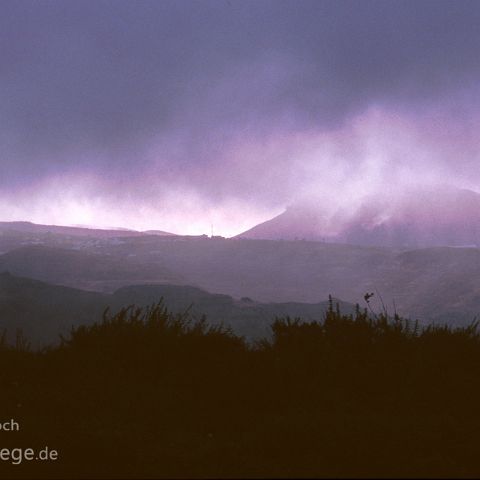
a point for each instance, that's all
(146, 393)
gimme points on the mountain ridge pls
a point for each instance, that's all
(30, 227)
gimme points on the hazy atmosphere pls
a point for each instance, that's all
(239, 239)
(178, 115)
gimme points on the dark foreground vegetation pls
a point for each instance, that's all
(149, 394)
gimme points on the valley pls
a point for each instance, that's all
(244, 283)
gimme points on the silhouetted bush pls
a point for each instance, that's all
(146, 393)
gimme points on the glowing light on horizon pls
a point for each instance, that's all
(378, 153)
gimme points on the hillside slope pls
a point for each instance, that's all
(43, 311)
(444, 216)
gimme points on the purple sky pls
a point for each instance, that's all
(175, 115)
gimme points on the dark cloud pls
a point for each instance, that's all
(156, 96)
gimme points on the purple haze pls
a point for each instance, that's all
(175, 115)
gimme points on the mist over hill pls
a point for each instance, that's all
(440, 216)
(432, 284)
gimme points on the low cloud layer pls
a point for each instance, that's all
(176, 115)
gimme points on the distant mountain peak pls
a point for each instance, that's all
(440, 216)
